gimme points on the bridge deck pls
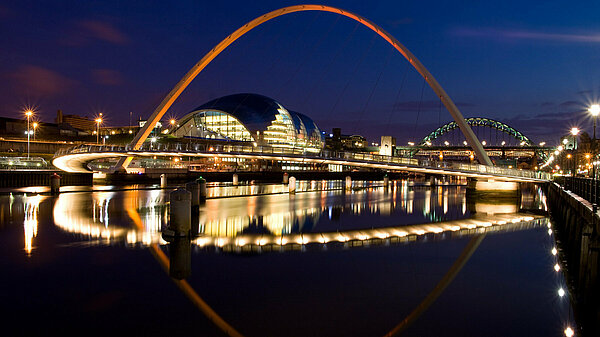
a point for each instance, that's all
(75, 159)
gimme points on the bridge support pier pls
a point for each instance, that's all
(492, 186)
(493, 196)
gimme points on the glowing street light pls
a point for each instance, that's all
(574, 131)
(594, 111)
(98, 121)
(569, 332)
(28, 113)
(35, 125)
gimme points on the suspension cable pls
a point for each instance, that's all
(419, 107)
(363, 56)
(395, 104)
(360, 117)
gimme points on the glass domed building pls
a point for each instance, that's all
(251, 118)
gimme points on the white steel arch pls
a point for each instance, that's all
(196, 69)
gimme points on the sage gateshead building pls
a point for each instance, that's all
(251, 118)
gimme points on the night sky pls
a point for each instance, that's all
(532, 65)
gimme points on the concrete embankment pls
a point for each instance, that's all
(21, 178)
(577, 229)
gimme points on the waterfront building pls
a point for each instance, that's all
(252, 119)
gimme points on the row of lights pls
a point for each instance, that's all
(561, 292)
(483, 142)
(559, 149)
(594, 110)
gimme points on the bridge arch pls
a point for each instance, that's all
(166, 103)
(477, 121)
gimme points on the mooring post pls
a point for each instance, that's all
(386, 181)
(292, 185)
(180, 215)
(163, 180)
(192, 187)
(54, 183)
(235, 179)
(201, 189)
(348, 184)
(285, 178)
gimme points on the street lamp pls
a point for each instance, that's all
(594, 111)
(574, 133)
(98, 121)
(28, 113)
(35, 125)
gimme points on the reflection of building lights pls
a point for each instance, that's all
(30, 223)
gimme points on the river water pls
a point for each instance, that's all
(321, 262)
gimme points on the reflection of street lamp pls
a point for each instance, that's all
(35, 125)
(28, 113)
(98, 121)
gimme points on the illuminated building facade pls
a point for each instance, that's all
(251, 118)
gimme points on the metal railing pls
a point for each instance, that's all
(190, 148)
(23, 163)
(587, 188)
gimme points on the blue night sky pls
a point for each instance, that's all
(532, 65)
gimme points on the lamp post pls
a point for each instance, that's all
(98, 121)
(28, 113)
(594, 111)
(35, 125)
(574, 133)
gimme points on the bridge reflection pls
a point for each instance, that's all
(262, 223)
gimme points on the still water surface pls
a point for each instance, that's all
(89, 263)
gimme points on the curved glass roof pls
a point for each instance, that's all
(254, 111)
(242, 116)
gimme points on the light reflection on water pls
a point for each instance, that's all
(30, 223)
(109, 218)
(105, 216)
